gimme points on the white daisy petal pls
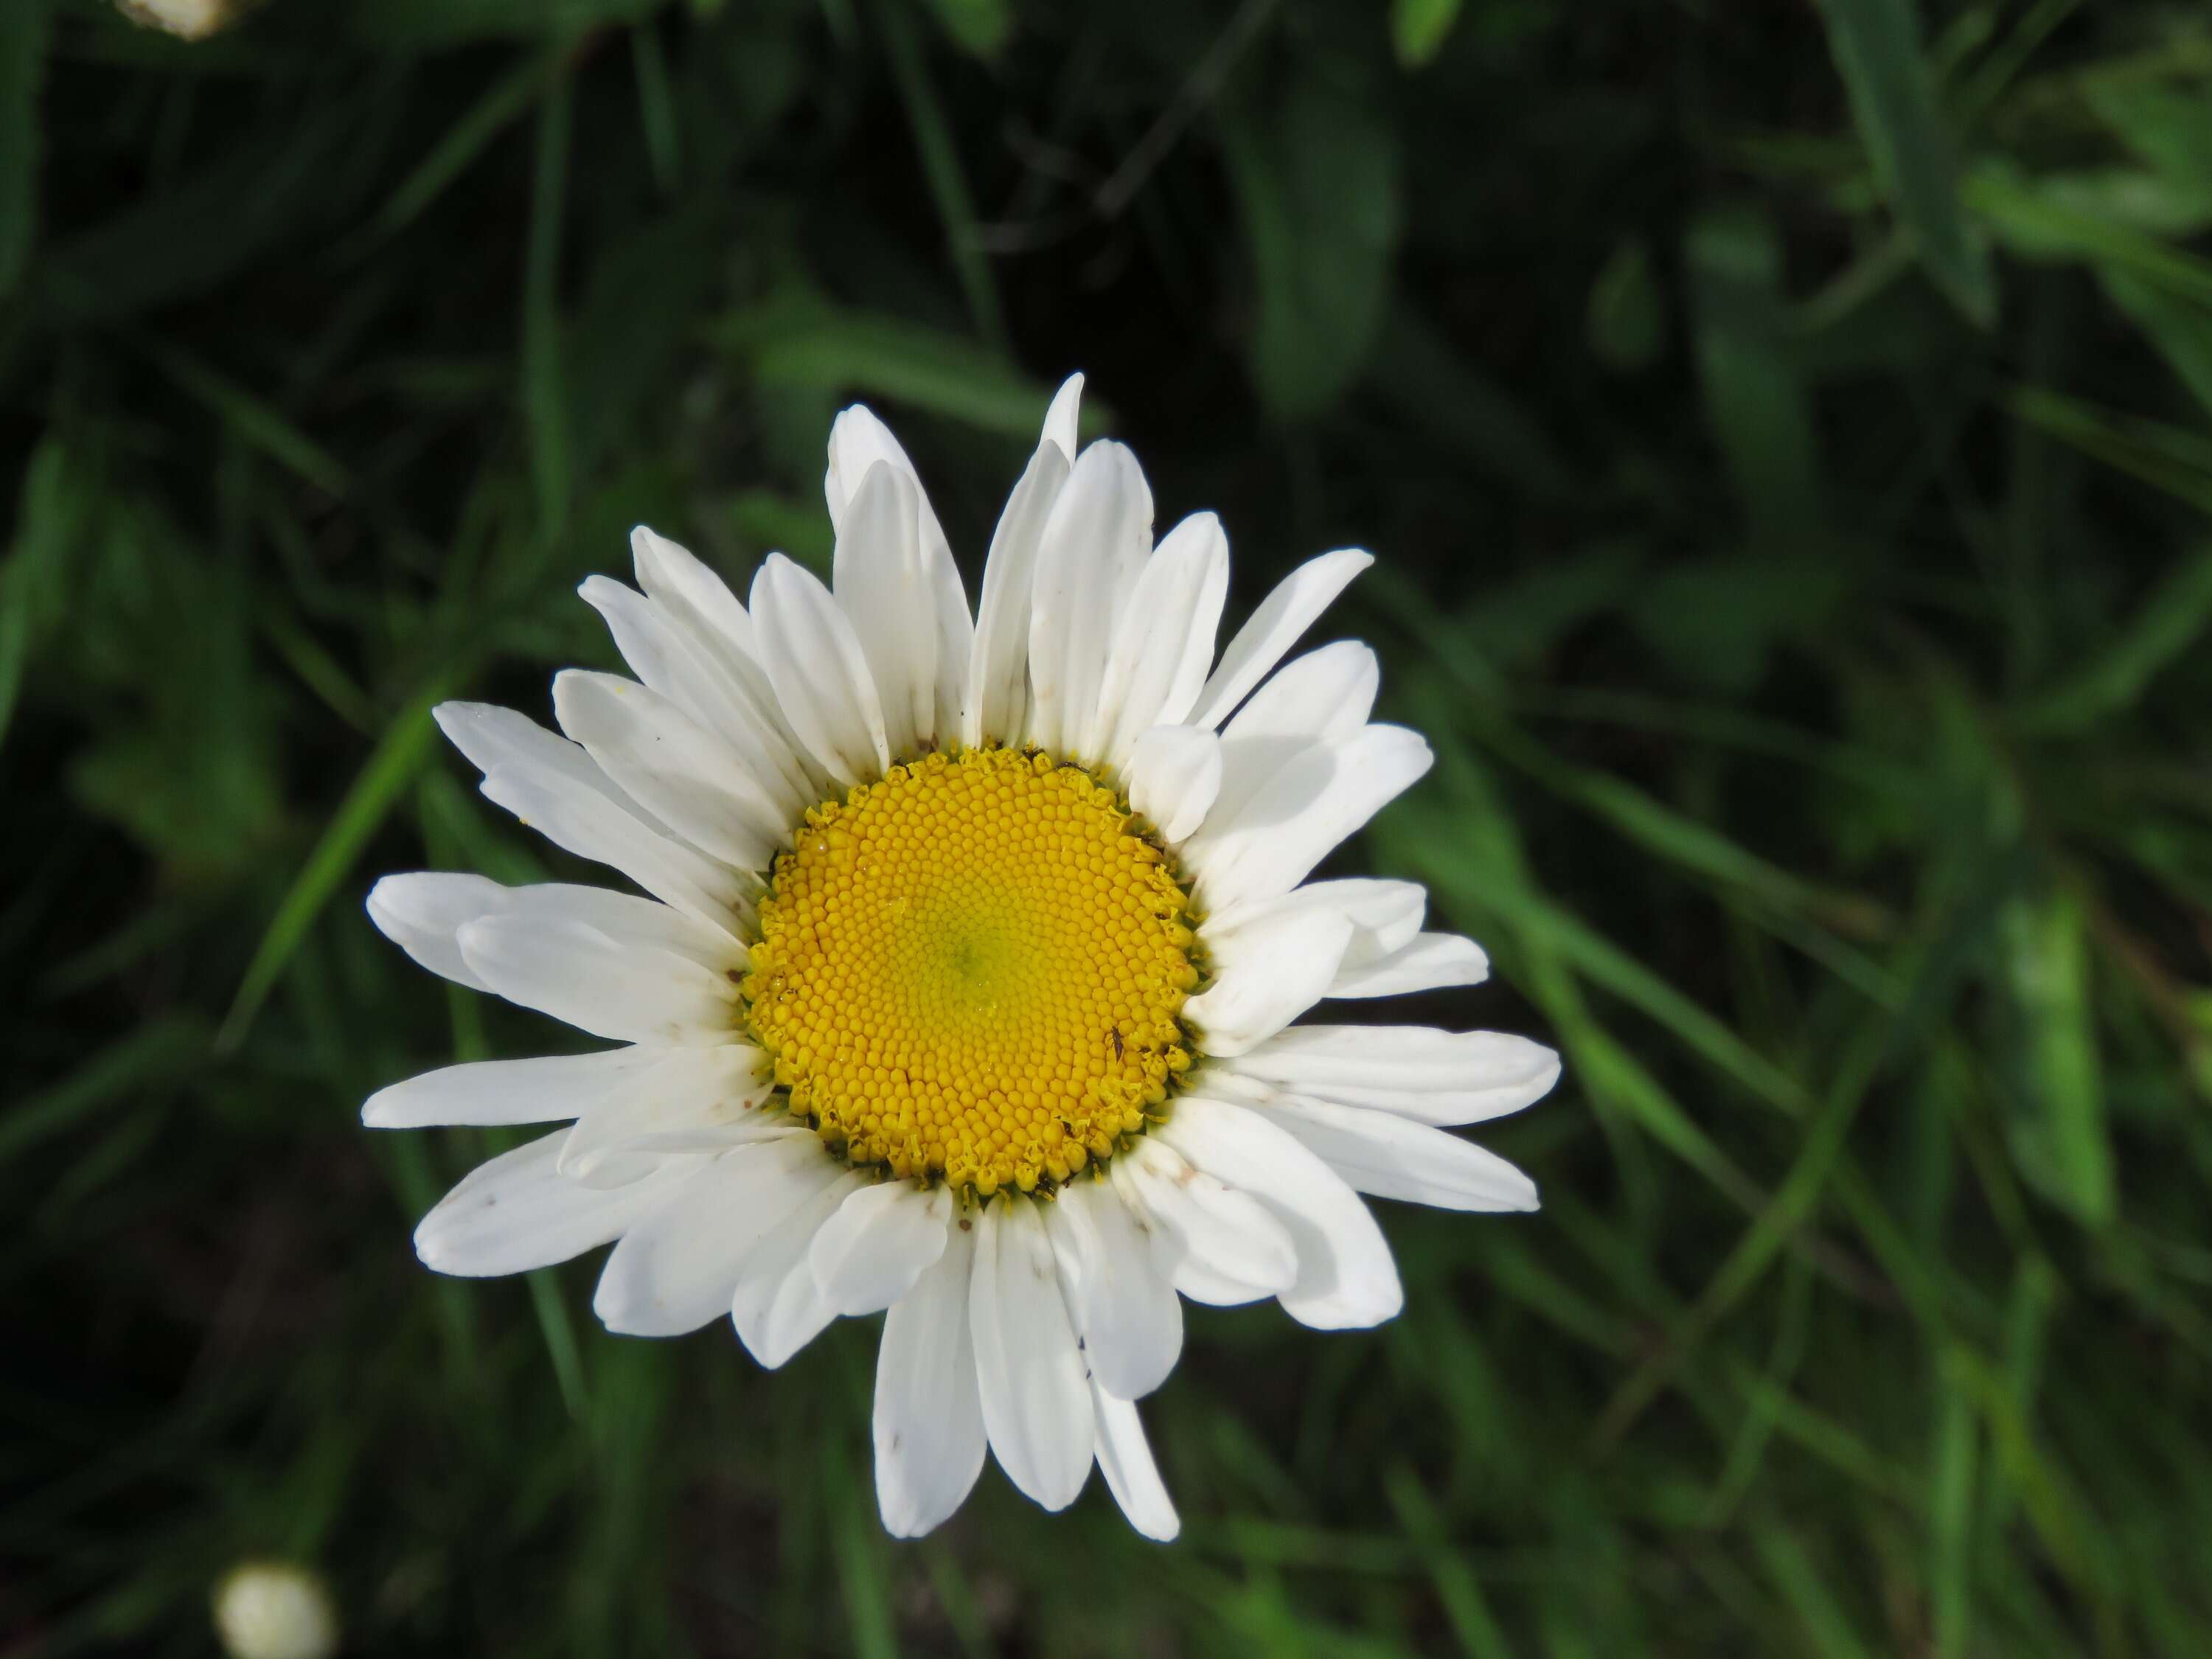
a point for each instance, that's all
(996, 706)
(494, 1092)
(1323, 697)
(719, 687)
(678, 770)
(680, 583)
(880, 585)
(819, 671)
(421, 912)
(501, 739)
(1174, 772)
(515, 1212)
(1061, 416)
(778, 1307)
(629, 991)
(1097, 536)
(1392, 1156)
(1275, 627)
(1346, 1279)
(1385, 915)
(1302, 814)
(624, 917)
(956, 649)
(1271, 972)
(1036, 1400)
(555, 788)
(1125, 1458)
(1120, 1302)
(1223, 1246)
(1164, 642)
(882, 1239)
(673, 1271)
(1430, 962)
(430, 909)
(626, 1168)
(658, 651)
(689, 1100)
(658, 1146)
(929, 1410)
(858, 443)
(1326, 693)
(1432, 1077)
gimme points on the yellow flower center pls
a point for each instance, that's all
(973, 970)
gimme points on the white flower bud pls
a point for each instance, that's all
(275, 1610)
(192, 19)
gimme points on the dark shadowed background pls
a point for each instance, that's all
(1784, 430)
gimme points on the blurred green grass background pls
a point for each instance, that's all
(1787, 434)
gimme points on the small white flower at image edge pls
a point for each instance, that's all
(189, 19)
(275, 1610)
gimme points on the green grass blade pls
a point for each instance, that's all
(656, 108)
(389, 770)
(1456, 1586)
(259, 424)
(559, 1329)
(980, 27)
(1436, 389)
(1418, 28)
(545, 396)
(1316, 182)
(2167, 458)
(1755, 401)
(793, 343)
(1951, 1477)
(2164, 629)
(50, 518)
(23, 35)
(1876, 45)
(2062, 1143)
(1804, 1588)
(856, 1543)
(2037, 224)
(500, 105)
(2179, 330)
(940, 166)
(156, 1051)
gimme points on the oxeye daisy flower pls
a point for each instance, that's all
(966, 983)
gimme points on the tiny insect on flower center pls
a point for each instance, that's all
(973, 969)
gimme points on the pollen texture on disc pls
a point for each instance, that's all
(973, 969)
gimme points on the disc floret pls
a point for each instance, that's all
(973, 969)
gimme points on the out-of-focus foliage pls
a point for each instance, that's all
(1787, 432)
